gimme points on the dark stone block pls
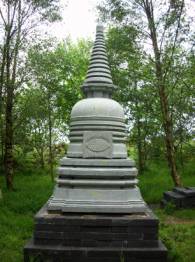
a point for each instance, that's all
(186, 191)
(103, 229)
(149, 236)
(102, 252)
(60, 253)
(172, 195)
(47, 242)
(188, 202)
(93, 243)
(56, 228)
(142, 243)
(81, 237)
(48, 235)
(181, 197)
(72, 243)
(119, 229)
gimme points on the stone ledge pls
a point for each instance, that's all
(91, 254)
(97, 162)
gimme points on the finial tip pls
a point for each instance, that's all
(99, 28)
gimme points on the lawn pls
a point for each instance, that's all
(177, 227)
(17, 210)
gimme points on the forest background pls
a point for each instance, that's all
(151, 52)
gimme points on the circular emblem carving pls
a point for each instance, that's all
(97, 144)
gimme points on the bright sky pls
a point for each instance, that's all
(79, 19)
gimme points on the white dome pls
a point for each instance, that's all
(100, 107)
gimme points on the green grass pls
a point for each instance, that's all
(177, 231)
(177, 227)
(180, 241)
(157, 180)
(17, 209)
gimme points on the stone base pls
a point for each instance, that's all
(181, 197)
(95, 238)
(47, 253)
(96, 186)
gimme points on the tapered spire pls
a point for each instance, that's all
(98, 80)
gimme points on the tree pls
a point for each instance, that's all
(32, 136)
(43, 108)
(131, 73)
(59, 74)
(18, 19)
(166, 31)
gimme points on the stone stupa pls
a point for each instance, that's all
(96, 212)
(97, 176)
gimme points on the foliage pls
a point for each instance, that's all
(54, 87)
(132, 74)
(55, 74)
(170, 208)
(18, 19)
(151, 63)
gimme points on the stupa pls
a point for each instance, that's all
(96, 212)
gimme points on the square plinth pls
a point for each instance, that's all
(94, 237)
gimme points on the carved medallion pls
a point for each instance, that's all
(97, 144)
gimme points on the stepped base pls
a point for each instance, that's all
(95, 237)
(91, 254)
(108, 186)
(181, 197)
(96, 200)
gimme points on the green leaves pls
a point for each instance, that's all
(134, 58)
(56, 73)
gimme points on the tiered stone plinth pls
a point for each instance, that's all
(97, 186)
(94, 237)
(181, 197)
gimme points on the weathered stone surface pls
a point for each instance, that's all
(97, 163)
(107, 236)
(97, 87)
(97, 140)
(97, 144)
(180, 197)
(94, 254)
(97, 172)
(186, 191)
(92, 199)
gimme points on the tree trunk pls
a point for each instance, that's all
(141, 163)
(8, 160)
(51, 157)
(9, 140)
(50, 144)
(2, 141)
(167, 121)
(1, 102)
(11, 66)
(42, 162)
(40, 151)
